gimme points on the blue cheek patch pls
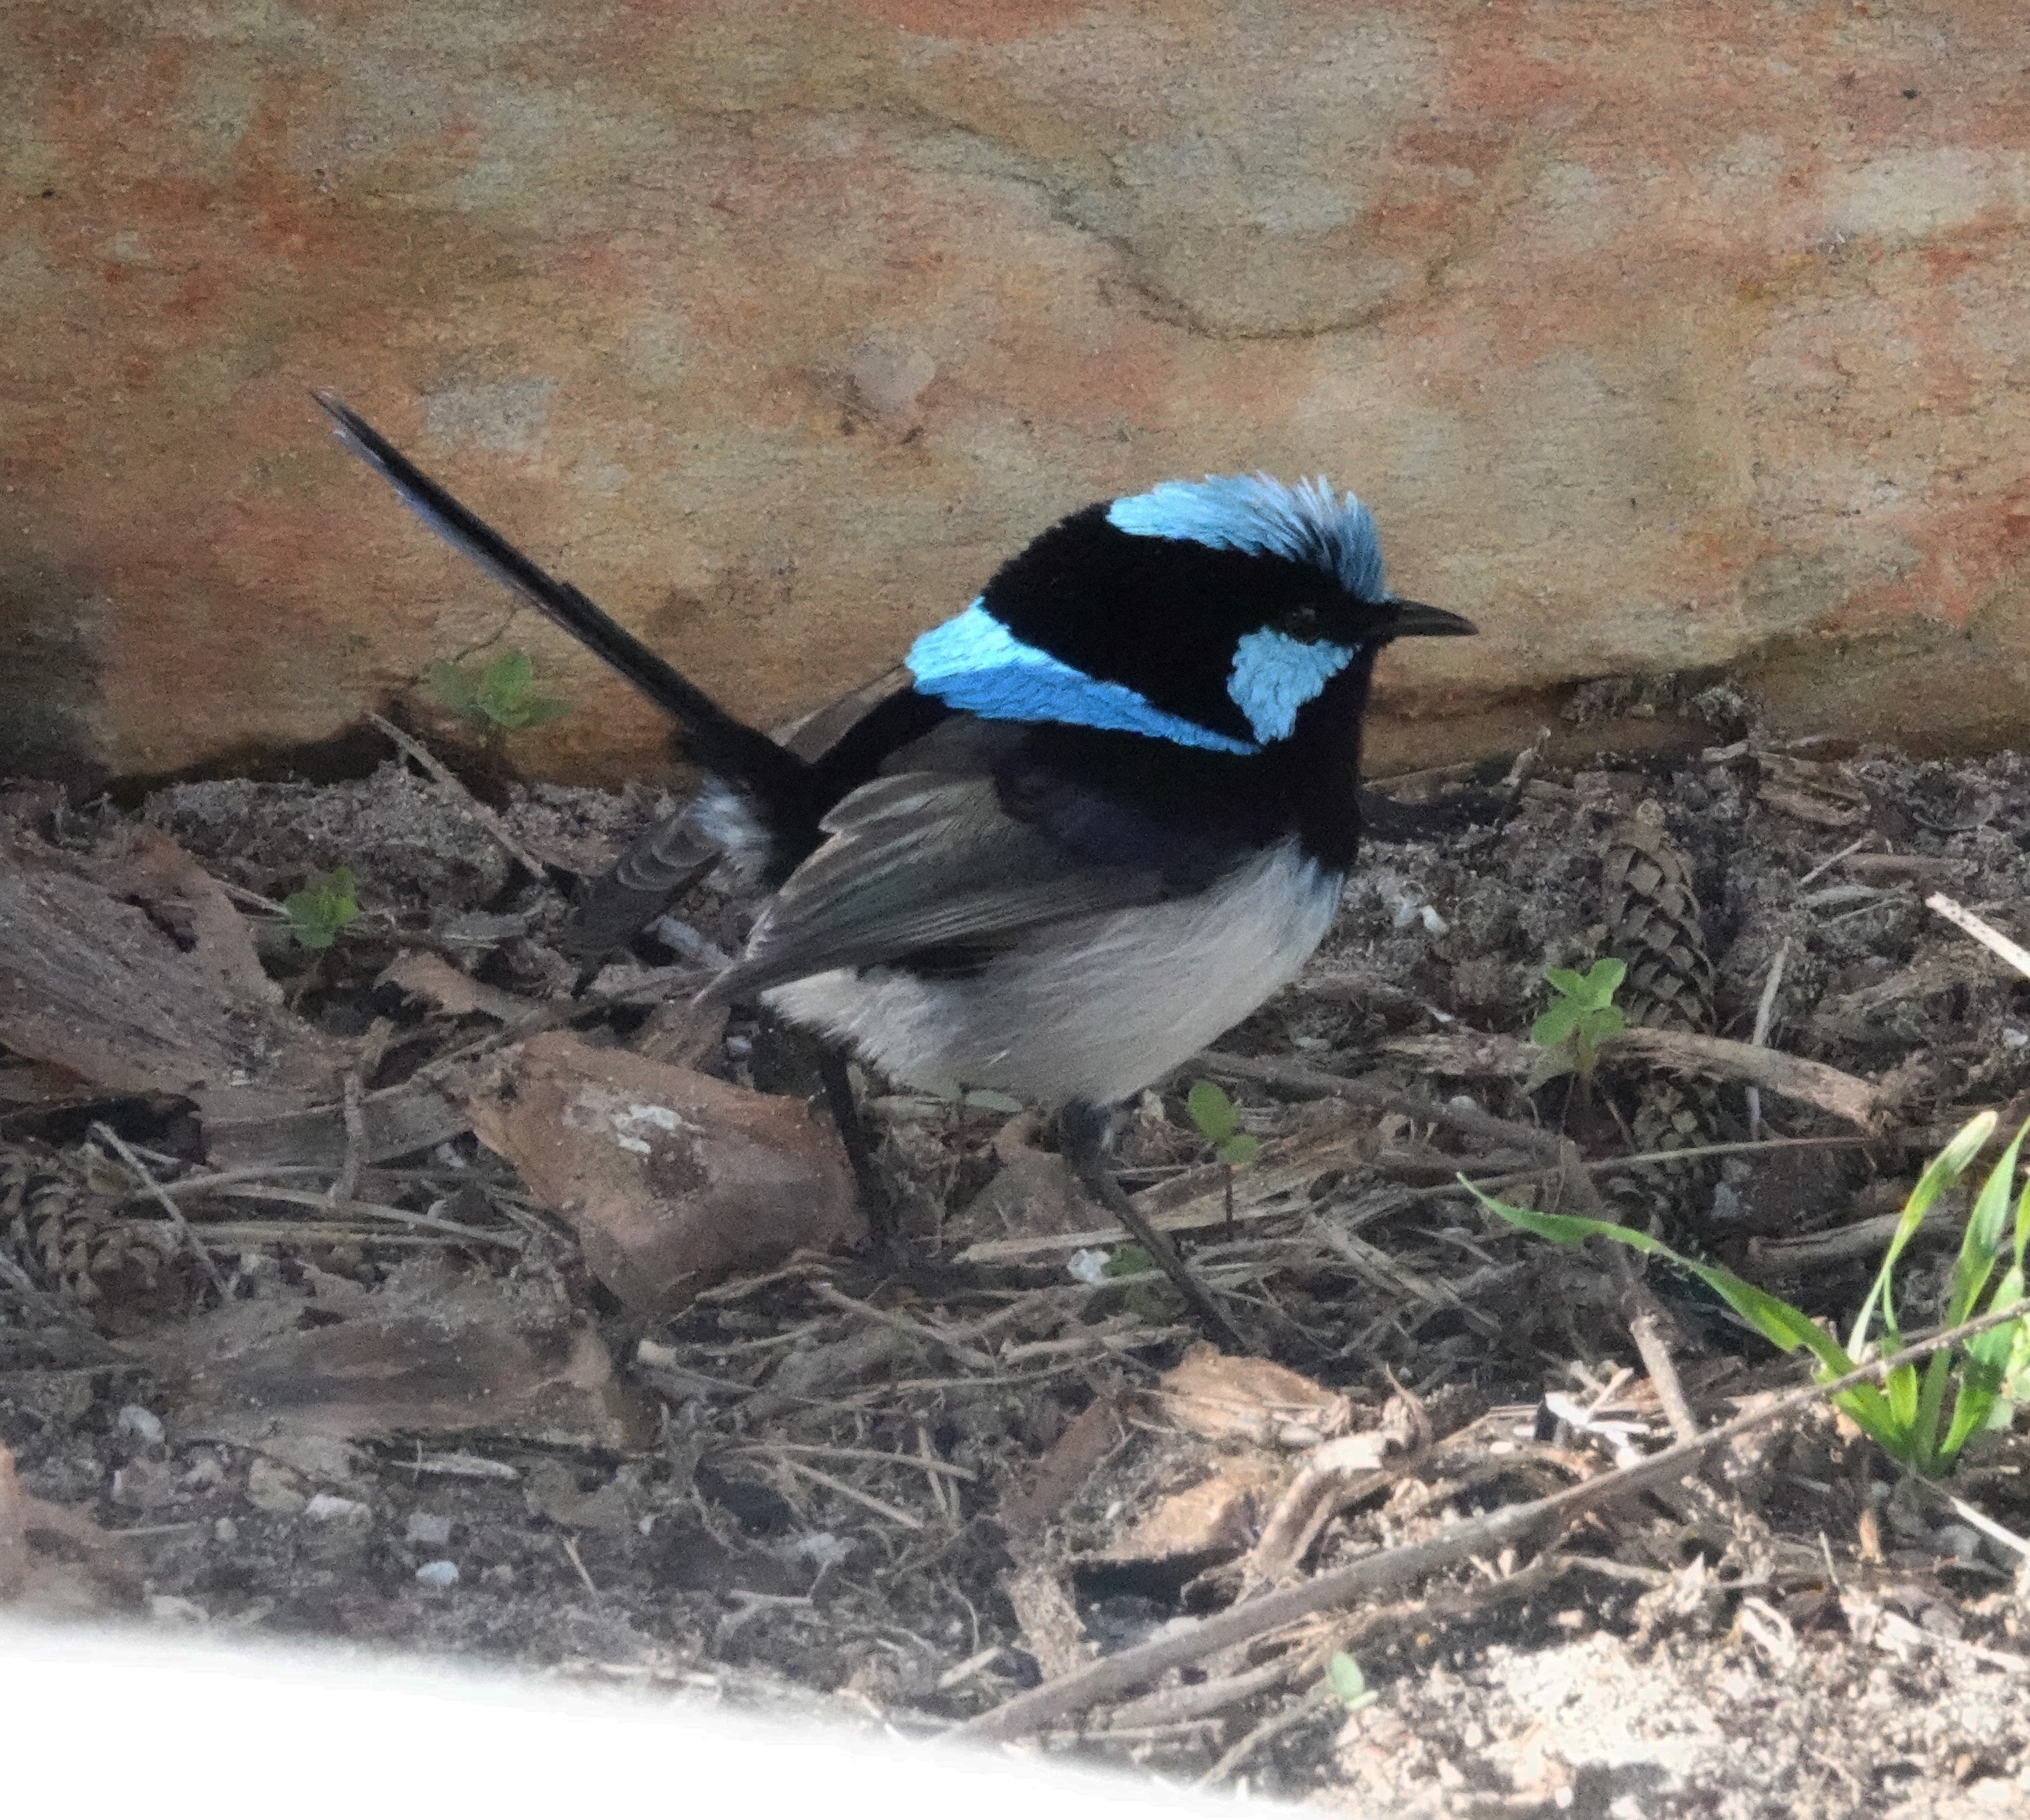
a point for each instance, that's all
(1274, 674)
(974, 664)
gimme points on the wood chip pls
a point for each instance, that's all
(672, 1179)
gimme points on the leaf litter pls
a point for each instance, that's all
(388, 1291)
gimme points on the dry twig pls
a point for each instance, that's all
(107, 1135)
(1986, 934)
(446, 781)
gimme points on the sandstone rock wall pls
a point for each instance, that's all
(1659, 335)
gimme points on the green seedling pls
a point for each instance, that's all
(497, 696)
(1581, 1018)
(1128, 1260)
(1219, 1124)
(318, 914)
(1348, 1684)
(1921, 1416)
(1155, 1302)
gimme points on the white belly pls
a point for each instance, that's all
(1094, 1009)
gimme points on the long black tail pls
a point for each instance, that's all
(780, 782)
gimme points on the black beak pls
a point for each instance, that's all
(1413, 620)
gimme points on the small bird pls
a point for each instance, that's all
(1109, 814)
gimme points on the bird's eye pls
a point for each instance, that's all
(1300, 622)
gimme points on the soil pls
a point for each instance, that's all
(904, 1489)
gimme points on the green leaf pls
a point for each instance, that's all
(1778, 1322)
(319, 913)
(499, 692)
(1870, 1410)
(1900, 1386)
(1211, 1112)
(1940, 1174)
(1556, 1025)
(1566, 984)
(508, 678)
(1241, 1147)
(1348, 1684)
(1128, 1260)
(457, 690)
(1982, 1376)
(1603, 980)
(1981, 1244)
(526, 712)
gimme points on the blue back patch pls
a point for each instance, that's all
(974, 664)
(1259, 515)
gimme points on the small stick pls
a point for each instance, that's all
(1521, 1585)
(1765, 1012)
(965, 1354)
(1986, 934)
(957, 1677)
(366, 1210)
(872, 1503)
(1200, 1699)
(940, 1469)
(1315, 1700)
(347, 1182)
(1980, 1520)
(447, 781)
(570, 1549)
(1648, 1324)
(58, 1313)
(201, 1253)
(1826, 865)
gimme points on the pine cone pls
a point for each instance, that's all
(1652, 914)
(59, 1220)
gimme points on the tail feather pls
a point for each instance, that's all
(780, 784)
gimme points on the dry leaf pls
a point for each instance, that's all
(423, 975)
(1223, 1398)
(1218, 1517)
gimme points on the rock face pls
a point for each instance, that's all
(1658, 336)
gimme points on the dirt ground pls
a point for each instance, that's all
(260, 1375)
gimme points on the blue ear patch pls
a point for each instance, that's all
(1256, 514)
(1274, 674)
(973, 663)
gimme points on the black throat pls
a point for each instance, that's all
(1317, 768)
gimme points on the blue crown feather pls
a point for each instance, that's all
(1258, 514)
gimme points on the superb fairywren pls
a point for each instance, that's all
(1109, 814)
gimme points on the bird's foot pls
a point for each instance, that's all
(1082, 1130)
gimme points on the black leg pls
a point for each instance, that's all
(852, 1132)
(1082, 1128)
